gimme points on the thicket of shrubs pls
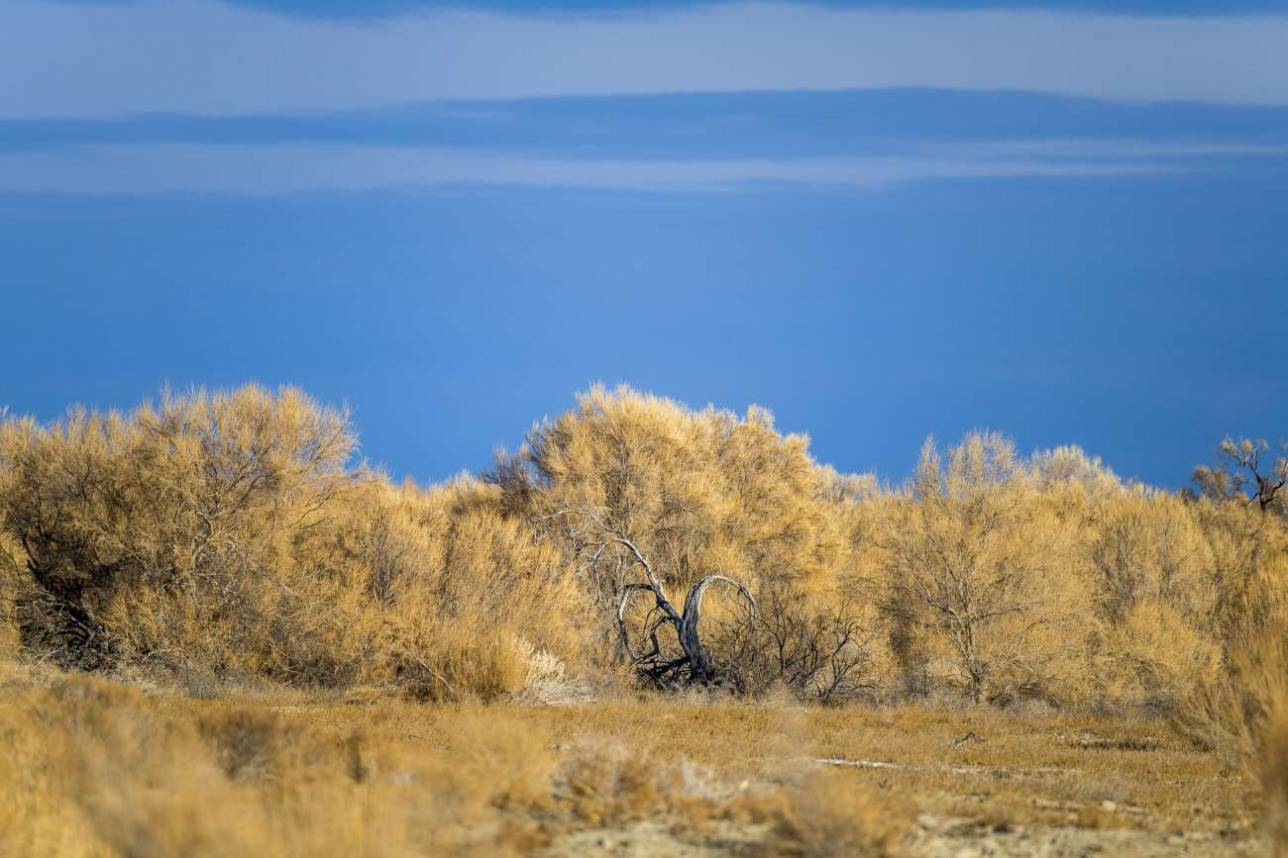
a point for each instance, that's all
(234, 537)
(231, 536)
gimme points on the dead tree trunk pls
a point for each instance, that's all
(694, 665)
(690, 642)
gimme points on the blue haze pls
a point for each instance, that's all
(1141, 315)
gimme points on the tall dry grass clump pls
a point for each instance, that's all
(1273, 767)
(94, 768)
(11, 583)
(1242, 711)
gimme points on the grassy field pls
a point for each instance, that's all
(98, 768)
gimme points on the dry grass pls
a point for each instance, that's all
(97, 768)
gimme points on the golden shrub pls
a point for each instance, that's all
(224, 537)
(231, 536)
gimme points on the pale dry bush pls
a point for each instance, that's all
(172, 527)
(1060, 468)
(1273, 767)
(1244, 716)
(1149, 547)
(831, 814)
(546, 679)
(465, 613)
(1243, 712)
(970, 576)
(1152, 659)
(1248, 718)
(1154, 585)
(231, 537)
(608, 785)
(699, 492)
(11, 584)
(1229, 713)
(1006, 578)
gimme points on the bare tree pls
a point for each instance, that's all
(653, 660)
(959, 573)
(1243, 471)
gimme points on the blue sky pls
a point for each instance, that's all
(1066, 221)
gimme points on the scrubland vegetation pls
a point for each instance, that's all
(284, 642)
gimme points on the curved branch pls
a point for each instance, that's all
(619, 536)
(699, 664)
(654, 583)
(627, 591)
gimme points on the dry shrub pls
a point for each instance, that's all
(1152, 659)
(699, 492)
(832, 813)
(466, 614)
(1228, 711)
(144, 534)
(11, 584)
(1147, 547)
(1243, 715)
(471, 665)
(818, 649)
(1152, 580)
(1274, 751)
(230, 537)
(546, 680)
(1242, 712)
(970, 579)
(1003, 578)
(608, 785)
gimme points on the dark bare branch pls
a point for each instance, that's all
(627, 592)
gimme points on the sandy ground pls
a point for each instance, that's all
(933, 837)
